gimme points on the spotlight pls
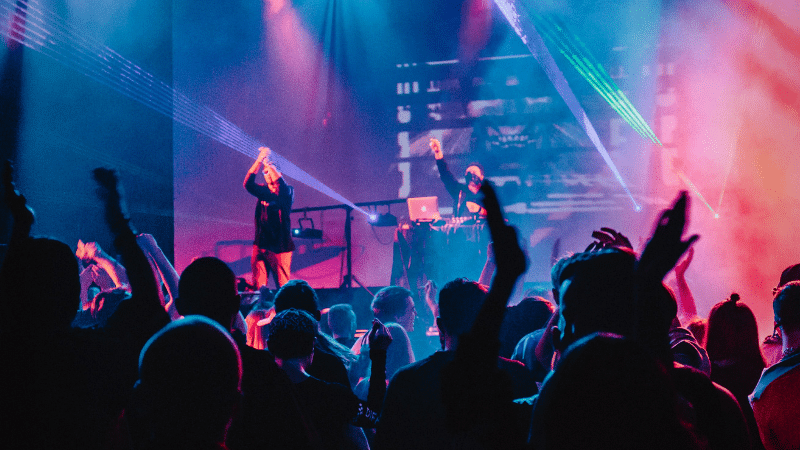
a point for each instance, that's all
(306, 233)
(382, 220)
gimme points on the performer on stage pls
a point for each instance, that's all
(465, 196)
(273, 245)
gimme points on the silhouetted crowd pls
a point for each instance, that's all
(121, 352)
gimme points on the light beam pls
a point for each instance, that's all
(47, 33)
(696, 191)
(531, 38)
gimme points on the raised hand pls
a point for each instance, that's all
(509, 257)
(91, 250)
(436, 146)
(110, 192)
(263, 154)
(17, 204)
(80, 253)
(431, 290)
(379, 336)
(147, 242)
(666, 245)
(609, 238)
(683, 265)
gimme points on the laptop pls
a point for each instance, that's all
(423, 209)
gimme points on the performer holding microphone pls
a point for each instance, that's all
(273, 245)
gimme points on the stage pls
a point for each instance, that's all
(623, 104)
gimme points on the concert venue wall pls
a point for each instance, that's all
(68, 104)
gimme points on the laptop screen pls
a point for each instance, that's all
(423, 209)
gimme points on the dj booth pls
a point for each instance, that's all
(439, 250)
(426, 245)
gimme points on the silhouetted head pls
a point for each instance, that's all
(208, 287)
(595, 294)
(189, 383)
(732, 332)
(104, 304)
(342, 320)
(291, 334)
(460, 301)
(534, 310)
(395, 304)
(297, 294)
(787, 306)
(531, 314)
(608, 392)
(791, 273)
(42, 283)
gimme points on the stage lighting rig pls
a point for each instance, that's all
(382, 220)
(306, 233)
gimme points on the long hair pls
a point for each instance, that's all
(732, 333)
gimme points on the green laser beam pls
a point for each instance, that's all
(696, 191)
(576, 52)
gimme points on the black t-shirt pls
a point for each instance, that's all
(270, 417)
(331, 408)
(328, 367)
(413, 414)
(273, 225)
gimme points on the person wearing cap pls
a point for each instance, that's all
(330, 408)
(776, 398)
(330, 357)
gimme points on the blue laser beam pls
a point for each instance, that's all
(47, 33)
(525, 29)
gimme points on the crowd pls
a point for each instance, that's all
(124, 353)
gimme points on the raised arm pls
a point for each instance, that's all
(11, 272)
(263, 154)
(687, 308)
(20, 211)
(488, 268)
(452, 185)
(280, 192)
(145, 299)
(483, 416)
(666, 245)
(91, 251)
(510, 262)
(655, 310)
(164, 269)
(378, 341)
(430, 290)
